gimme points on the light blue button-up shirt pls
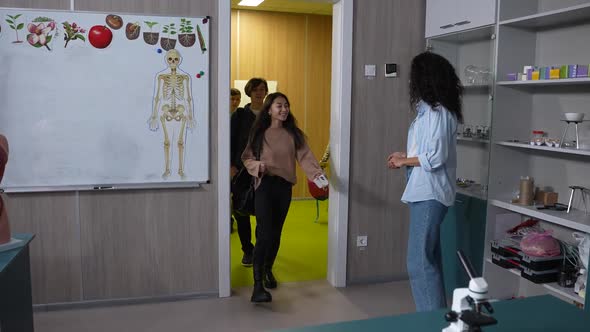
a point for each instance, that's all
(435, 131)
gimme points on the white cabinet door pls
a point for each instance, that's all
(440, 17)
(445, 16)
(475, 13)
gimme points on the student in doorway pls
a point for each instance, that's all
(275, 144)
(235, 97)
(241, 122)
(431, 162)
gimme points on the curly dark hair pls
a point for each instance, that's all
(434, 80)
(263, 121)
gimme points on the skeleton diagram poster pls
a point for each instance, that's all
(103, 100)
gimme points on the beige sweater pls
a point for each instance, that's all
(4, 226)
(279, 156)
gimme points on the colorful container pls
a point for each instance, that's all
(582, 71)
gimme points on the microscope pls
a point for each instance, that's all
(466, 313)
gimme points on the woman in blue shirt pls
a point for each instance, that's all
(431, 161)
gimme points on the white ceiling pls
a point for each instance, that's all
(318, 7)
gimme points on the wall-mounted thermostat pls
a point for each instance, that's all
(390, 70)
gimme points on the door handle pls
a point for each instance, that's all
(447, 26)
(463, 22)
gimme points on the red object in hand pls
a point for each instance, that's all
(100, 36)
(316, 192)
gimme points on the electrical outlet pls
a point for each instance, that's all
(361, 241)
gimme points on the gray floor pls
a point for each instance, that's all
(294, 305)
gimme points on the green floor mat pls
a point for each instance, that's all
(303, 254)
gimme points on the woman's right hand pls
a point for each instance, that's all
(396, 155)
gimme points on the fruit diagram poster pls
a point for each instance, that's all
(107, 100)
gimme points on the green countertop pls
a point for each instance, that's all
(539, 313)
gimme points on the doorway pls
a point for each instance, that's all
(338, 136)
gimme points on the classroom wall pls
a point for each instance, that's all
(296, 51)
(384, 31)
(132, 243)
(93, 246)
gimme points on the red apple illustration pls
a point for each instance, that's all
(100, 36)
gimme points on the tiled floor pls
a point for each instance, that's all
(294, 305)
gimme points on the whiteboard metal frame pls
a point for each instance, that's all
(127, 186)
(104, 187)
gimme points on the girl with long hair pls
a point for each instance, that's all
(431, 161)
(275, 144)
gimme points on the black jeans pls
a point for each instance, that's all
(245, 233)
(272, 200)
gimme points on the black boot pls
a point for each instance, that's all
(269, 279)
(259, 294)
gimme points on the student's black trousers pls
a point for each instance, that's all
(272, 200)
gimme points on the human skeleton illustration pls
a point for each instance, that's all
(176, 113)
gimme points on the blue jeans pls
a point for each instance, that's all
(424, 259)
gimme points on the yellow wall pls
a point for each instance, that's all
(295, 50)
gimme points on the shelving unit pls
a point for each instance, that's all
(572, 151)
(474, 48)
(567, 293)
(465, 220)
(473, 191)
(539, 33)
(468, 87)
(554, 18)
(576, 219)
(555, 82)
(471, 139)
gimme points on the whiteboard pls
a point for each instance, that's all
(78, 116)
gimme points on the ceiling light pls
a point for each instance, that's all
(250, 3)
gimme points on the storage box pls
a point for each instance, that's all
(540, 263)
(546, 197)
(563, 71)
(528, 70)
(543, 73)
(505, 262)
(582, 71)
(540, 277)
(546, 72)
(572, 71)
(506, 248)
(512, 76)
